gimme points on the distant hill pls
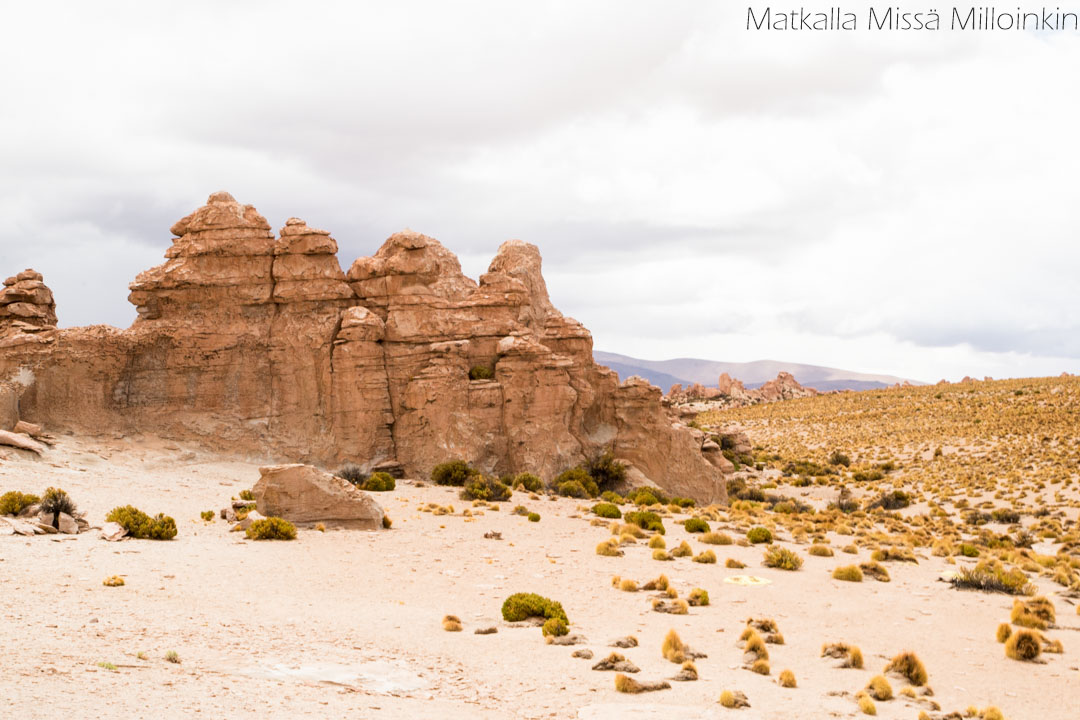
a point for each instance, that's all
(665, 373)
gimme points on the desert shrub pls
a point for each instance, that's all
(530, 482)
(521, 606)
(14, 502)
(716, 538)
(481, 372)
(786, 679)
(1035, 613)
(647, 496)
(606, 471)
(969, 550)
(207, 515)
(379, 482)
(271, 528)
(656, 542)
(451, 623)
(708, 557)
(698, 597)
(820, 551)
(839, 458)
(866, 705)
(761, 667)
(908, 666)
(351, 473)
(534, 517)
(683, 502)
(645, 520)
(682, 550)
(990, 577)
(575, 482)
(56, 501)
(893, 554)
(782, 559)
(607, 510)
(734, 564)
(1005, 515)
(879, 688)
(662, 555)
(454, 472)
(247, 495)
(806, 467)
(1004, 630)
(867, 475)
(482, 487)
(140, 525)
(612, 497)
(758, 535)
(609, 548)
(849, 573)
(895, 500)
(875, 570)
(1024, 645)
(696, 525)
(850, 654)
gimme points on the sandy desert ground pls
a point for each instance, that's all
(348, 623)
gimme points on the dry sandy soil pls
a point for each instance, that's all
(348, 623)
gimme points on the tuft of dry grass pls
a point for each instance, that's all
(908, 665)
(656, 542)
(786, 679)
(698, 597)
(848, 573)
(734, 564)
(660, 583)
(716, 538)
(1035, 613)
(1024, 645)
(820, 551)
(866, 705)
(627, 684)
(683, 550)
(760, 666)
(708, 557)
(1004, 630)
(733, 699)
(875, 570)
(628, 585)
(451, 623)
(879, 688)
(782, 559)
(850, 655)
(609, 548)
(113, 581)
(673, 649)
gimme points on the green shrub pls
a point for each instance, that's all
(521, 606)
(969, 550)
(645, 520)
(207, 515)
(849, 573)
(647, 496)
(56, 501)
(454, 472)
(607, 510)
(696, 525)
(758, 535)
(271, 528)
(14, 502)
(351, 473)
(782, 559)
(379, 482)
(554, 627)
(577, 483)
(481, 372)
(1005, 515)
(606, 471)
(683, 502)
(247, 495)
(839, 458)
(530, 482)
(481, 487)
(139, 525)
(612, 497)
(867, 475)
(534, 517)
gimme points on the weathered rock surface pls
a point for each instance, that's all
(23, 442)
(730, 392)
(249, 343)
(27, 310)
(302, 493)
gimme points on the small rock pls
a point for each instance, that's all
(113, 531)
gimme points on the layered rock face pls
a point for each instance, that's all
(263, 345)
(732, 393)
(27, 310)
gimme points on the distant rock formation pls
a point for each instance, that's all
(256, 344)
(731, 393)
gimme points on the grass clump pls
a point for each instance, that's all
(379, 482)
(849, 655)
(696, 525)
(627, 684)
(673, 648)
(609, 548)
(819, 550)
(656, 542)
(698, 597)
(454, 472)
(786, 679)
(533, 517)
(661, 555)
(910, 667)
(1024, 645)
(848, 573)
(14, 502)
(207, 515)
(172, 657)
(482, 487)
(528, 481)
(577, 483)
(733, 699)
(875, 570)
(645, 520)
(451, 623)
(113, 581)
(661, 584)
(782, 559)
(1004, 630)
(682, 550)
(647, 496)
(707, 557)
(758, 535)
(607, 510)
(140, 525)
(521, 606)
(481, 372)
(349, 472)
(716, 538)
(1036, 613)
(271, 528)
(879, 688)
(628, 585)
(761, 667)
(866, 705)
(993, 577)
(607, 472)
(734, 564)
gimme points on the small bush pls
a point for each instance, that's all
(607, 510)
(661, 555)
(481, 372)
(606, 471)
(454, 472)
(609, 548)
(172, 657)
(451, 623)
(1036, 613)
(645, 520)
(482, 487)
(708, 557)
(782, 559)
(656, 542)
(207, 515)
(1024, 645)
(848, 573)
(879, 688)
(696, 525)
(909, 666)
(682, 550)
(683, 502)
(734, 564)
(56, 501)
(113, 581)
(554, 627)
(351, 473)
(786, 679)
(534, 517)
(14, 502)
(875, 570)
(839, 458)
(247, 495)
(969, 550)
(271, 528)
(379, 482)
(993, 578)
(139, 525)
(521, 606)
(647, 496)
(698, 597)
(820, 551)
(530, 482)
(1005, 515)
(758, 535)
(866, 705)
(576, 483)
(716, 538)
(1004, 630)
(850, 654)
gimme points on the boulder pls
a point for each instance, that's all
(305, 494)
(20, 441)
(68, 525)
(112, 532)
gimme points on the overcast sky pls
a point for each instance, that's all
(891, 203)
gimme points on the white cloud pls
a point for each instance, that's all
(886, 203)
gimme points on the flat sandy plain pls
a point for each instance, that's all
(347, 623)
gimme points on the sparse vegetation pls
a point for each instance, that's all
(14, 502)
(848, 573)
(908, 666)
(521, 606)
(759, 535)
(271, 528)
(379, 482)
(1024, 645)
(140, 525)
(716, 538)
(607, 510)
(782, 559)
(696, 525)
(482, 487)
(645, 520)
(454, 472)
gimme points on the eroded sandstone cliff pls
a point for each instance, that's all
(254, 343)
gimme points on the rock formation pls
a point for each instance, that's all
(250, 343)
(306, 494)
(27, 310)
(732, 393)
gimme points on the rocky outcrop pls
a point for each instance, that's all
(306, 494)
(732, 393)
(259, 344)
(27, 310)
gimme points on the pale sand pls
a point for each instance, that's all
(348, 623)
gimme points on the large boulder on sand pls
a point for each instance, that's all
(302, 493)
